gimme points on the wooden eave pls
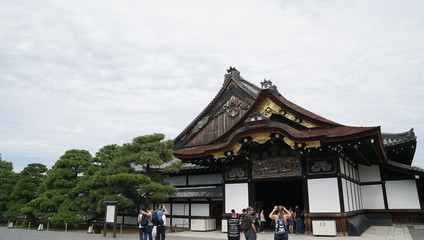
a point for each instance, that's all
(327, 135)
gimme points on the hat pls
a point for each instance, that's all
(249, 209)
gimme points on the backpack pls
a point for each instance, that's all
(144, 220)
(244, 223)
(280, 227)
(155, 219)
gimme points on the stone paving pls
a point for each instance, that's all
(396, 232)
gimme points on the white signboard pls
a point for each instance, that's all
(110, 213)
(236, 196)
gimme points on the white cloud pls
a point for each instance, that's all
(86, 74)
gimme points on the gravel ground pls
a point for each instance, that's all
(23, 234)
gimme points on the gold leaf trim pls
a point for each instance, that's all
(268, 108)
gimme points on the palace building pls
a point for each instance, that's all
(252, 147)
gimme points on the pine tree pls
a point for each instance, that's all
(26, 189)
(8, 178)
(154, 155)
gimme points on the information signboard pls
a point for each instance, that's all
(233, 229)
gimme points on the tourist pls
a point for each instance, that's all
(291, 220)
(150, 224)
(263, 221)
(250, 233)
(298, 217)
(243, 214)
(257, 222)
(142, 224)
(160, 228)
(233, 213)
(280, 222)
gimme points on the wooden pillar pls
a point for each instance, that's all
(170, 212)
(308, 222)
(383, 186)
(189, 214)
(419, 183)
(343, 224)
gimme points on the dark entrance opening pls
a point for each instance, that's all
(271, 193)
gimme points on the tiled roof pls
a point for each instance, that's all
(199, 192)
(415, 169)
(392, 139)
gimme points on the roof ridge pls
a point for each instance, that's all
(392, 139)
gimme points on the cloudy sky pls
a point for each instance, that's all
(85, 74)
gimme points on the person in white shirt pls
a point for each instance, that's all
(263, 221)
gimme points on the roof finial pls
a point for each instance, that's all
(232, 72)
(266, 84)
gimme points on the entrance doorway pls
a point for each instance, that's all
(271, 193)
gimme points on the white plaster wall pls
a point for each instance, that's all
(236, 196)
(369, 174)
(127, 220)
(180, 209)
(205, 179)
(348, 169)
(180, 222)
(356, 196)
(345, 196)
(402, 194)
(177, 180)
(200, 209)
(342, 165)
(372, 196)
(360, 198)
(323, 195)
(351, 199)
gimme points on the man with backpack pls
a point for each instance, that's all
(143, 222)
(248, 225)
(157, 220)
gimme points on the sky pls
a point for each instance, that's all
(85, 74)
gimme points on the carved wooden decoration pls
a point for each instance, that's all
(276, 167)
(236, 172)
(321, 165)
(232, 107)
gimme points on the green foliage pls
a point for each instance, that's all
(151, 153)
(7, 180)
(75, 189)
(26, 189)
(57, 200)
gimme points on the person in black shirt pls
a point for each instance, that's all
(298, 217)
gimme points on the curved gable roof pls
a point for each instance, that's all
(232, 78)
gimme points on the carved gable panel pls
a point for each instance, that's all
(220, 121)
(276, 167)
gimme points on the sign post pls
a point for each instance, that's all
(233, 229)
(111, 215)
